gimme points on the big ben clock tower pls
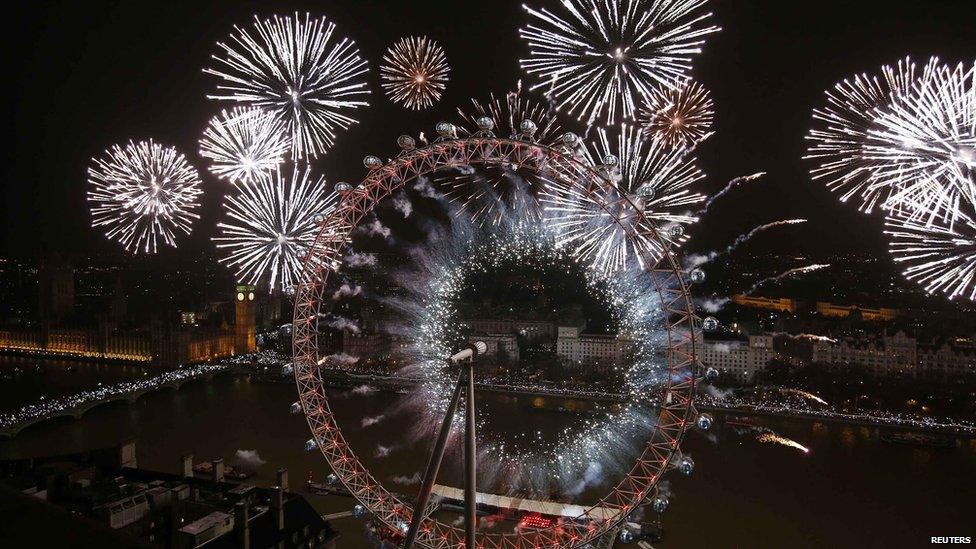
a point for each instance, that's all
(244, 339)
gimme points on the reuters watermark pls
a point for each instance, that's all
(951, 539)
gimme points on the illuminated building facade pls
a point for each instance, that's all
(899, 354)
(832, 310)
(575, 346)
(824, 308)
(780, 304)
(159, 348)
(129, 346)
(738, 359)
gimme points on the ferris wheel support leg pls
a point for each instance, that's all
(433, 466)
(470, 465)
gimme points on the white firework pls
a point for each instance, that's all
(271, 224)
(602, 58)
(645, 189)
(939, 254)
(298, 70)
(244, 144)
(414, 72)
(843, 128)
(925, 144)
(143, 194)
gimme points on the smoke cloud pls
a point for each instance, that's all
(369, 421)
(360, 260)
(402, 204)
(713, 305)
(347, 290)
(249, 459)
(363, 390)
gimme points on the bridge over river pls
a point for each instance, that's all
(77, 405)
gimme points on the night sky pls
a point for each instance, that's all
(84, 75)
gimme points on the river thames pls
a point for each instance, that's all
(850, 490)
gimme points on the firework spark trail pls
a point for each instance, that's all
(774, 438)
(809, 337)
(338, 360)
(725, 190)
(602, 58)
(805, 394)
(695, 260)
(294, 68)
(414, 72)
(142, 194)
(507, 116)
(243, 144)
(792, 272)
(270, 226)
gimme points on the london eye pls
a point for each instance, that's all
(410, 521)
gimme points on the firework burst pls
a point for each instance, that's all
(642, 176)
(925, 143)
(296, 69)
(271, 224)
(843, 128)
(602, 58)
(142, 194)
(679, 114)
(492, 191)
(244, 144)
(414, 72)
(939, 255)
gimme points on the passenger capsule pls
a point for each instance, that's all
(445, 129)
(528, 127)
(485, 123)
(406, 142)
(372, 162)
(710, 324)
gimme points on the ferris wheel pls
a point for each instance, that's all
(558, 164)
